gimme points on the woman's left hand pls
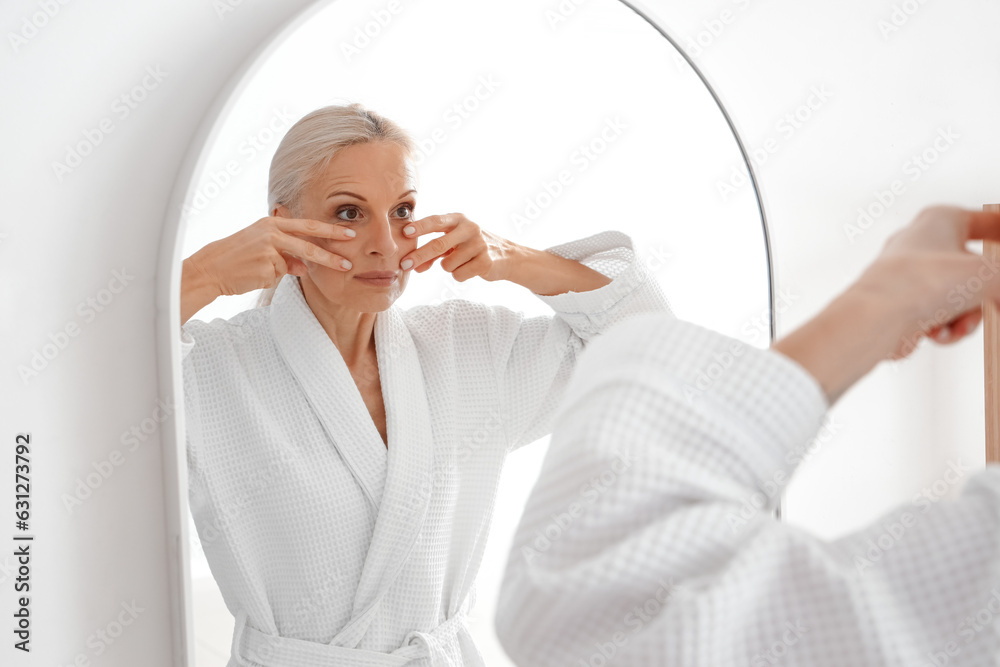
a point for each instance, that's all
(467, 249)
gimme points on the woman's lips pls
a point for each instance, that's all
(382, 278)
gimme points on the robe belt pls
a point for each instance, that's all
(253, 647)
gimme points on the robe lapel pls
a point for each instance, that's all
(398, 481)
(329, 387)
(409, 480)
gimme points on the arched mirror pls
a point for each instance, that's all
(543, 124)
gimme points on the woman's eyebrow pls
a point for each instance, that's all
(345, 192)
(357, 196)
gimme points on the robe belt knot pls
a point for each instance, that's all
(253, 648)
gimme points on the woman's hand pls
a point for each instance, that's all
(471, 251)
(467, 249)
(257, 257)
(927, 267)
(924, 282)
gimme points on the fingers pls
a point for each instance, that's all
(475, 267)
(958, 328)
(460, 255)
(307, 250)
(447, 223)
(983, 225)
(425, 266)
(942, 227)
(429, 263)
(316, 228)
(434, 223)
(441, 245)
(966, 324)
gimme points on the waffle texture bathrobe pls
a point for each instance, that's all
(650, 538)
(331, 549)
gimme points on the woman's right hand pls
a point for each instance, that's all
(925, 282)
(926, 268)
(258, 256)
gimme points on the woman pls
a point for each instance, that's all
(344, 453)
(680, 562)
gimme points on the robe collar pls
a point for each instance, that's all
(397, 481)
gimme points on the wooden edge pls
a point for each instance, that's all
(991, 356)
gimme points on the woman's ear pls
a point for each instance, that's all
(281, 211)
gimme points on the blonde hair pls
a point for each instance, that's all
(310, 144)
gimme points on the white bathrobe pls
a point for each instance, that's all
(650, 537)
(328, 547)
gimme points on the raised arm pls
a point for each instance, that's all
(197, 289)
(535, 356)
(548, 274)
(650, 539)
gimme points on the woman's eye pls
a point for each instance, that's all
(348, 210)
(407, 208)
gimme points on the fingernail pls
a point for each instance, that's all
(409, 229)
(345, 263)
(407, 263)
(350, 232)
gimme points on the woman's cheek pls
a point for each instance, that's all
(342, 248)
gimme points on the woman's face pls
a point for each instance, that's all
(370, 189)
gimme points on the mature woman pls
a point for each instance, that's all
(344, 453)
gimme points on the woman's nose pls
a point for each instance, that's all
(381, 240)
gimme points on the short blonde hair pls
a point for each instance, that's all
(310, 144)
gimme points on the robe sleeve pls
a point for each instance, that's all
(534, 356)
(192, 400)
(187, 342)
(206, 355)
(650, 536)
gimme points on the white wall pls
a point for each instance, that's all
(895, 432)
(62, 239)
